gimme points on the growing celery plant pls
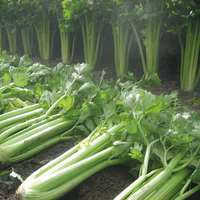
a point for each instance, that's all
(44, 23)
(10, 22)
(186, 25)
(147, 19)
(121, 35)
(91, 20)
(27, 29)
(68, 32)
(2, 33)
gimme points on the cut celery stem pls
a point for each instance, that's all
(42, 135)
(33, 126)
(37, 149)
(20, 126)
(66, 186)
(20, 117)
(76, 154)
(141, 178)
(51, 181)
(79, 155)
(148, 188)
(189, 193)
(167, 187)
(24, 134)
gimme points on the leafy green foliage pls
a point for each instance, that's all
(4, 176)
(135, 152)
(195, 177)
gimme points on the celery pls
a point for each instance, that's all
(14, 146)
(18, 111)
(148, 188)
(21, 117)
(166, 190)
(38, 148)
(152, 32)
(28, 40)
(71, 166)
(90, 17)
(68, 34)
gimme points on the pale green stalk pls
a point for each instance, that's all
(12, 37)
(137, 183)
(139, 46)
(152, 43)
(20, 117)
(67, 49)
(91, 42)
(33, 137)
(49, 182)
(69, 185)
(166, 190)
(122, 45)
(43, 35)
(18, 111)
(27, 39)
(38, 148)
(190, 74)
(189, 193)
(17, 133)
(148, 188)
(61, 158)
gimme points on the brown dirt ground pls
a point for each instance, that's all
(106, 184)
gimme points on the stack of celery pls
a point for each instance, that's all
(56, 104)
(153, 135)
(115, 123)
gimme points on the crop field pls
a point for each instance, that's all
(99, 100)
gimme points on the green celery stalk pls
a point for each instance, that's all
(61, 158)
(189, 74)
(28, 40)
(122, 45)
(174, 191)
(38, 148)
(148, 188)
(16, 137)
(166, 190)
(188, 193)
(136, 184)
(51, 181)
(36, 135)
(80, 154)
(67, 53)
(19, 111)
(12, 36)
(20, 117)
(91, 41)
(71, 184)
(71, 163)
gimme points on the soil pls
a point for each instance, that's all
(106, 184)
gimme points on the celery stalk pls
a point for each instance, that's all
(167, 188)
(20, 117)
(148, 188)
(19, 111)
